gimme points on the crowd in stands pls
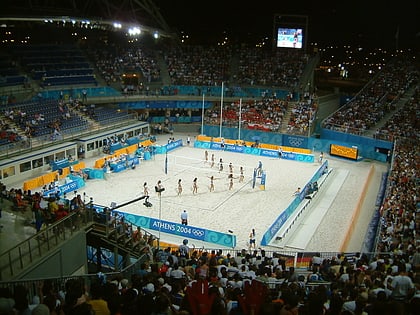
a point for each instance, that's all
(271, 68)
(302, 115)
(377, 98)
(201, 65)
(113, 62)
(265, 114)
(209, 282)
(52, 118)
(209, 66)
(186, 65)
(403, 122)
(8, 134)
(198, 65)
(42, 117)
(399, 212)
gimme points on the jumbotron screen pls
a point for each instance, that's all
(289, 37)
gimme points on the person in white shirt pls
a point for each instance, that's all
(402, 285)
(184, 217)
(177, 273)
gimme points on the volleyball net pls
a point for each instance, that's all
(177, 164)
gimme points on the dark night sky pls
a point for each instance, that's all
(365, 22)
(348, 21)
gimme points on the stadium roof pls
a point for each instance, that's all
(95, 13)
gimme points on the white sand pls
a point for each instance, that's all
(243, 207)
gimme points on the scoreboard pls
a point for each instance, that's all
(346, 152)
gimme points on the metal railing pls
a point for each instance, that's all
(24, 254)
(28, 252)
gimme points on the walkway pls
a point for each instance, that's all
(317, 209)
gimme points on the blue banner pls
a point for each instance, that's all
(178, 229)
(118, 167)
(121, 166)
(234, 148)
(215, 146)
(94, 173)
(56, 165)
(187, 231)
(173, 145)
(66, 188)
(269, 153)
(162, 149)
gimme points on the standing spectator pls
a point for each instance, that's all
(280, 152)
(321, 157)
(415, 260)
(184, 217)
(184, 251)
(402, 285)
(99, 305)
(252, 239)
(84, 95)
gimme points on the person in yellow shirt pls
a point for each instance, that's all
(99, 305)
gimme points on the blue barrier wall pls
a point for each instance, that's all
(300, 157)
(282, 218)
(367, 146)
(165, 105)
(246, 134)
(370, 238)
(78, 92)
(229, 91)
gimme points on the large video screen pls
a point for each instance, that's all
(289, 37)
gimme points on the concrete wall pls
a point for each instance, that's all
(67, 260)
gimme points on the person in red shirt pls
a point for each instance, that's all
(60, 213)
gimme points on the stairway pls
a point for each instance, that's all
(286, 118)
(164, 74)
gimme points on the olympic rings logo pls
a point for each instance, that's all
(197, 232)
(295, 142)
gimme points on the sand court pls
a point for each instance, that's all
(238, 209)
